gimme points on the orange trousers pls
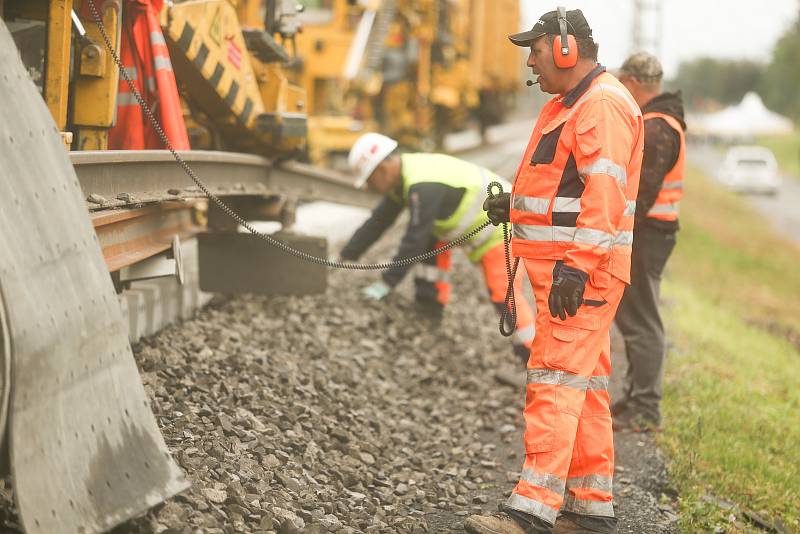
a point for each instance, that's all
(569, 443)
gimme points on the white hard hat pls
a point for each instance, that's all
(367, 153)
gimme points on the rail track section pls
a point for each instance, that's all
(140, 200)
(150, 305)
(81, 442)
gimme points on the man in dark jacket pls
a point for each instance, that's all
(656, 223)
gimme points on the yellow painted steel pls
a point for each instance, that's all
(459, 63)
(277, 92)
(96, 82)
(59, 28)
(210, 29)
(323, 46)
(228, 88)
(56, 14)
(329, 134)
(493, 59)
(248, 12)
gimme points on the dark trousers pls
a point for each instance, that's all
(639, 321)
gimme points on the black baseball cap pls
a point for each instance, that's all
(548, 24)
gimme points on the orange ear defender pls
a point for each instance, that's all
(565, 48)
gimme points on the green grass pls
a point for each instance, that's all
(787, 151)
(727, 253)
(732, 394)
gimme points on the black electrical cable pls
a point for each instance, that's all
(508, 317)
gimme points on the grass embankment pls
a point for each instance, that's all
(787, 151)
(732, 403)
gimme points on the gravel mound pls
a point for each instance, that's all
(331, 414)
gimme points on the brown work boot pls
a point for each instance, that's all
(496, 523)
(568, 526)
(565, 526)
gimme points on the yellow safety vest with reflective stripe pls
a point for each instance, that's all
(666, 206)
(453, 172)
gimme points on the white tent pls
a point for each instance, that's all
(747, 119)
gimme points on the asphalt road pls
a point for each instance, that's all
(781, 210)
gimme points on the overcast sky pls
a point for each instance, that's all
(690, 28)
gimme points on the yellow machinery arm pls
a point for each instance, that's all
(230, 71)
(416, 69)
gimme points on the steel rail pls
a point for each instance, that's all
(139, 198)
(117, 178)
(129, 235)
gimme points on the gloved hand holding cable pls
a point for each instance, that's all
(498, 208)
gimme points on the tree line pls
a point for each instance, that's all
(707, 82)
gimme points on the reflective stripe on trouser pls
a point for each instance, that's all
(432, 277)
(568, 438)
(493, 264)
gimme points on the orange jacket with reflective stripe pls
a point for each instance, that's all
(145, 57)
(665, 207)
(574, 193)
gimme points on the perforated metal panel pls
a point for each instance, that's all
(86, 452)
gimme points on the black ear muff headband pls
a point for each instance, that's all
(562, 26)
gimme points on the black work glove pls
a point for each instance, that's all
(566, 295)
(498, 208)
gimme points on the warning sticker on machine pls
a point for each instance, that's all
(234, 55)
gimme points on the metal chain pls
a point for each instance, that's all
(233, 215)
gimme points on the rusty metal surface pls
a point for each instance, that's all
(153, 175)
(242, 263)
(86, 453)
(127, 236)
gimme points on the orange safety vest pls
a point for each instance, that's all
(145, 58)
(574, 194)
(667, 202)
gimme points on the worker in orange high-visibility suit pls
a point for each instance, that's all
(572, 208)
(660, 192)
(145, 58)
(444, 196)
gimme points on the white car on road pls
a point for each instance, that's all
(750, 169)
